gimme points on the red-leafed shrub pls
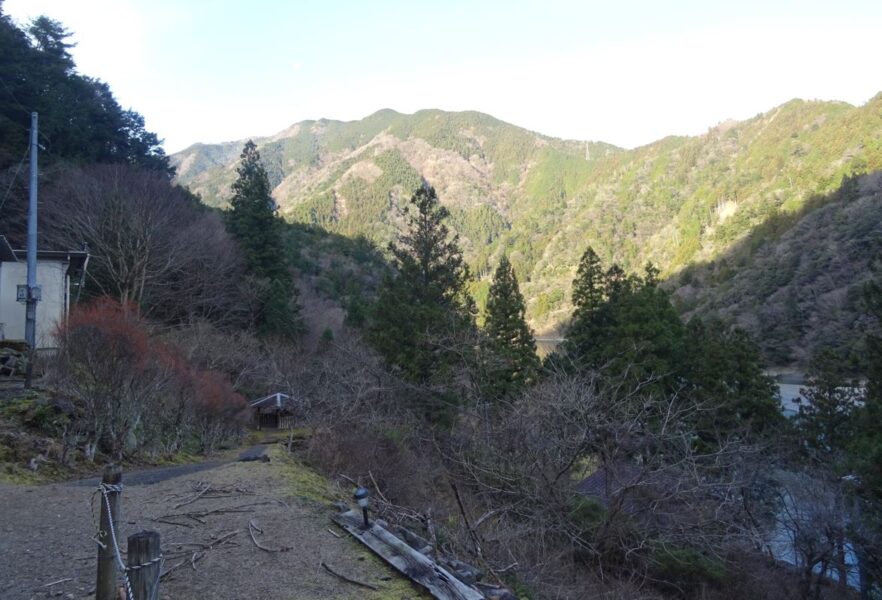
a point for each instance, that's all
(107, 367)
(218, 411)
(134, 393)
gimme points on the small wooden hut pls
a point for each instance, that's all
(275, 411)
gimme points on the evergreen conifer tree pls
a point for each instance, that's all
(252, 219)
(253, 222)
(866, 447)
(589, 285)
(512, 356)
(589, 295)
(622, 323)
(720, 370)
(424, 307)
(826, 419)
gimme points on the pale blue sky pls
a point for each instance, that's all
(625, 72)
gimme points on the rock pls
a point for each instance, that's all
(34, 463)
(261, 458)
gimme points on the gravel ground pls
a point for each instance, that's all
(46, 549)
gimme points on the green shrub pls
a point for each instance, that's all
(686, 571)
(587, 513)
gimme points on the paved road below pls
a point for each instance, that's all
(159, 474)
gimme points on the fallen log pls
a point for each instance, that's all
(417, 567)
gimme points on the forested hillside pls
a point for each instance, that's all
(795, 282)
(676, 202)
(169, 280)
(648, 456)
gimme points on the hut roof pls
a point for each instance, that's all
(277, 401)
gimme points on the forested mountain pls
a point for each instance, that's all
(796, 281)
(677, 202)
(649, 454)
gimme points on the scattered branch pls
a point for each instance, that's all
(252, 527)
(348, 579)
(194, 498)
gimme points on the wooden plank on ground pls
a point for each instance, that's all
(414, 565)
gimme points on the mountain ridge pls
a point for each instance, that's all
(679, 201)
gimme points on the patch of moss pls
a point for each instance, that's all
(303, 481)
(15, 474)
(397, 588)
(18, 474)
(308, 484)
(20, 405)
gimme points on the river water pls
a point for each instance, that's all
(789, 385)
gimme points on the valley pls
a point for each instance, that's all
(706, 210)
(541, 368)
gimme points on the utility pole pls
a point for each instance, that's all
(33, 292)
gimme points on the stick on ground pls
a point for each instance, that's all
(252, 527)
(194, 498)
(349, 579)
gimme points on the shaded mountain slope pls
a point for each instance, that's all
(795, 282)
(676, 202)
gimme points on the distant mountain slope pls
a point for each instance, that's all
(676, 202)
(796, 281)
(351, 177)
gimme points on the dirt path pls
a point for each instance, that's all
(203, 516)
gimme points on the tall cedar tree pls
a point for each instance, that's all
(252, 221)
(80, 120)
(513, 363)
(623, 323)
(589, 293)
(424, 308)
(721, 371)
(826, 419)
(866, 448)
(626, 326)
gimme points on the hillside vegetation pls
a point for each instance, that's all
(676, 202)
(646, 457)
(796, 281)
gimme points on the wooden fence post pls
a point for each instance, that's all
(105, 586)
(144, 565)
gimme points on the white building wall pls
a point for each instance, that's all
(52, 278)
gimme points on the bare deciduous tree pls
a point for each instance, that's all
(151, 244)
